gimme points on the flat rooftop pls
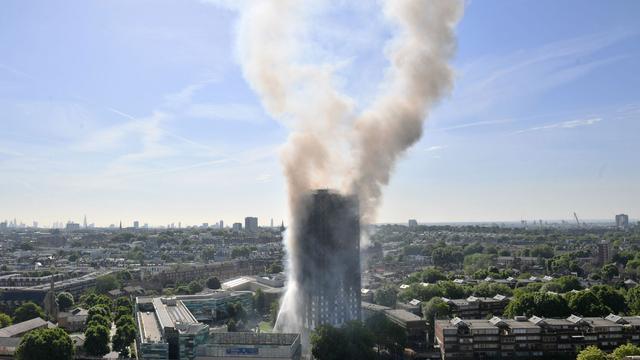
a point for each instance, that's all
(150, 327)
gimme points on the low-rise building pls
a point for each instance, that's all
(249, 345)
(168, 328)
(475, 307)
(73, 320)
(536, 337)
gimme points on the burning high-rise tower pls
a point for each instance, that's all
(329, 260)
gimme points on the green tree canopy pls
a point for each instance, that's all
(195, 287)
(213, 283)
(352, 341)
(106, 283)
(96, 340)
(65, 301)
(592, 353)
(386, 295)
(586, 303)
(49, 344)
(5, 320)
(387, 335)
(432, 310)
(539, 304)
(27, 311)
(625, 350)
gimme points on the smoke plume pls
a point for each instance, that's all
(330, 145)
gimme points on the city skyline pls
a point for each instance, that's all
(535, 128)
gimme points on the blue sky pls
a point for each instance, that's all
(137, 110)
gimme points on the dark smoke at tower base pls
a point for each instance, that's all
(331, 145)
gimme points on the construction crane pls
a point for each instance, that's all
(576, 216)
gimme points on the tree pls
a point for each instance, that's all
(50, 344)
(236, 311)
(99, 319)
(195, 287)
(592, 353)
(487, 289)
(97, 340)
(208, 253)
(124, 336)
(274, 309)
(609, 271)
(586, 303)
(275, 267)
(564, 284)
(387, 296)
(352, 341)
(625, 350)
(213, 283)
(611, 297)
(101, 311)
(543, 251)
(633, 300)
(65, 301)
(123, 301)
(387, 335)
(539, 304)
(360, 340)
(27, 311)
(106, 283)
(259, 302)
(5, 320)
(475, 262)
(432, 310)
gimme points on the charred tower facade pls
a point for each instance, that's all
(330, 260)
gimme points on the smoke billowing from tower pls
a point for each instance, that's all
(330, 144)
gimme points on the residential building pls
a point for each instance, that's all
(74, 320)
(536, 337)
(249, 345)
(622, 221)
(475, 307)
(251, 224)
(413, 223)
(603, 252)
(329, 263)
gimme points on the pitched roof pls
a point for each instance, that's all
(23, 327)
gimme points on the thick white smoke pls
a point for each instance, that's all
(331, 146)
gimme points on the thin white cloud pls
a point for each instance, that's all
(562, 125)
(499, 79)
(435, 148)
(231, 112)
(477, 123)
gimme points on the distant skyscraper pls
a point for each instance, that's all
(35, 224)
(72, 226)
(136, 224)
(329, 260)
(3, 225)
(251, 224)
(221, 224)
(622, 220)
(271, 223)
(413, 223)
(237, 226)
(84, 222)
